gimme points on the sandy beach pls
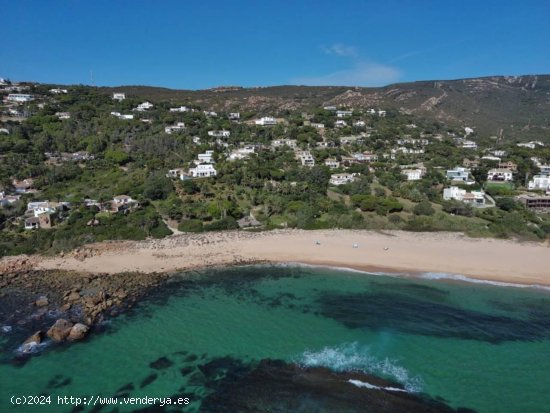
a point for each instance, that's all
(403, 252)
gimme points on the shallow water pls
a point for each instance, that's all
(482, 347)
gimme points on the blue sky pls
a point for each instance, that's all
(194, 45)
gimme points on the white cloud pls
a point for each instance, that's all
(361, 74)
(340, 49)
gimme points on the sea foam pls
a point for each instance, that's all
(353, 357)
(463, 278)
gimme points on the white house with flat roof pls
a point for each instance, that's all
(343, 113)
(539, 182)
(203, 171)
(119, 96)
(144, 106)
(305, 157)
(206, 157)
(460, 174)
(343, 178)
(332, 163)
(413, 174)
(474, 197)
(500, 175)
(266, 121)
(219, 133)
(20, 97)
(178, 127)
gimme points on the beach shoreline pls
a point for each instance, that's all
(411, 254)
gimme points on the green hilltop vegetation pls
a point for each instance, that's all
(74, 147)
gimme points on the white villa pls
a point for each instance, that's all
(305, 157)
(342, 179)
(382, 113)
(317, 125)
(63, 115)
(530, 145)
(206, 157)
(332, 163)
(20, 97)
(413, 174)
(460, 174)
(234, 116)
(343, 113)
(365, 157)
(119, 96)
(360, 124)
(144, 106)
(181, 109)
(473, 197)
(291, 143)
(340, 123)
(178, 127)
(41, 207)
(242, 153)
(469, 145)
(500, 175)
(539, 182)
(203, 171)
(266, 121)
(121, 116)
(58, 91)
(219, 133)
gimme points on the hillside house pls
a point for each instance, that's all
(340, 123)
(19, 97)
(207, 157)
(305, 157)
(242, 153)
(476, 198)
(234, 116)
(203, 171)
(219, 133)
(119, 96)
(178, 127)
(332, 163)
(266, 121)
(460, 174)
(23, 187)
(291, 143)
(468, 145)
(63, 115)
(343, 113)
(539, 182)
(413, 174)
(58, 91)
(181, 109)
(342, 179)
(44, 221)
(142, 107)
(500, 175)
(535, 202)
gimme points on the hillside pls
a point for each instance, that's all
(518, 105)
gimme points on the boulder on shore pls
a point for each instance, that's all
(60, 330)
(78, 332)
(41, 302)
(35, 338)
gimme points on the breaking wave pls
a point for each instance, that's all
(353, 357)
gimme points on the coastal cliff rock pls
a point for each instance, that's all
(60, 330)
(35, 338)
(78, 332)
(41, 302)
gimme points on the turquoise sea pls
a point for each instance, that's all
(476, 346)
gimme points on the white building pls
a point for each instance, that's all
(360, 124)
(539, 182)
(121, 116)
(305, 158)
(63, 115)
(365, 157)
(203, 171)
(469, 145)
(340, 123)
(41, 207)
(291, 143)
(317, 125)
(530, 145)
(473, 197)
(242, 153)
(210, 114)
(177, 173)
(266, 121)
(382, 113)
(343, 113)
(219, 133)
(20, 97)
(178, 127)
(119, 96)
(500, 175)
(413, 174)
(234, 116)
(181, 109)
(58, 91)
(332, 163)
(206, 157)
(460, 174)
(342, 179)
(144, 106)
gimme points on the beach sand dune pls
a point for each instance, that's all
(392, 251)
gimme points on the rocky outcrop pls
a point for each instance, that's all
(42, 302)
(60, 330)
(78, 332)
(35, 338)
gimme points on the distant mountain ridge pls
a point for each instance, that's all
(520, 105)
